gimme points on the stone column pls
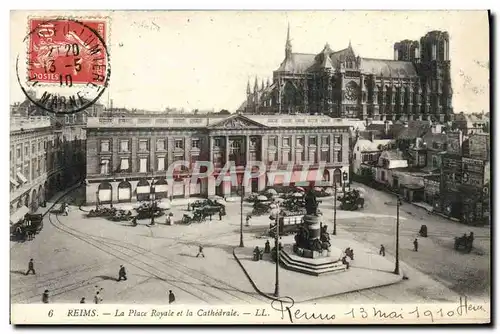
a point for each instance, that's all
(134, 161)
(152, 156)
(331, 148)
(226, 149)
(263, 151)
(114, 192)
(211, 148)
(247, 149)
(293, 145)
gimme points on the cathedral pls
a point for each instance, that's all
(415, 85)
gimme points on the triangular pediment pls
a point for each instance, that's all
(237, 122)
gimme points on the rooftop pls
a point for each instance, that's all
(27, 123)
(215, 121)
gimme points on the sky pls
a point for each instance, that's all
(203, 60)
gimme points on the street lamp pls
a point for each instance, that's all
(276, 246)
(335, 208)
(242, 191)
(97, 200)
(153, 203)
(398, 204)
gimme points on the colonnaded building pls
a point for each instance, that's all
(415, 85)
(127, 157)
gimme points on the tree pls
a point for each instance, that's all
(224, 112)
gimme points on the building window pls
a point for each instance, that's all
(143, 165)
(39, 146)
(143, 145)
(338, 140)
(161, 163)
(179, 157)
(104, 145)
(104, 166)
(33, 149)
(339, 156)
(435, 145)
(124, 146)
(421, 160)
(273, 141)
(195, 143)
(124, 164)
(325, 156)
(179, 143)
(312, 141)
(300, 141)
(382, 175)
(26, 151)
(160, 145)
(217, 142)
(253, 143)
(18, 152)
(286, 142)
(326, 140)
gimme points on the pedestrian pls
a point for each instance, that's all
(415, 245)
(31, 267)
(200, 251)
(220, 214)
(45, 297)
(171, 297)
(122, 274)
(97, 298)
(382, 250)
(248, 221)
(267, 247)
(82, 301)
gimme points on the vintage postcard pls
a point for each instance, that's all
(250, 167)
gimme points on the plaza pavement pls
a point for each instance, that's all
(161, 258)
(367, 270)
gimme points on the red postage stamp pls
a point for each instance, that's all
(67, 51)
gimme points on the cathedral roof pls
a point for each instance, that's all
(388, 68)
(297, 63)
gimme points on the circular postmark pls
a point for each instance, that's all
(66, 68)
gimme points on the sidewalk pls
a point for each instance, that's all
(367, 270)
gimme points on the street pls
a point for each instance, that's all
(76, 256)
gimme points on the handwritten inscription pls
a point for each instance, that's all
(287, 311)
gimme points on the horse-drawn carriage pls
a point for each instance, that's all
(261, 208)
(26, 229)
(147, 210)
(423, 231)
(351, 201)
(464, 242)
(121, 215)
(101, 211)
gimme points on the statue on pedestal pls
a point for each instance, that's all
(311, 203)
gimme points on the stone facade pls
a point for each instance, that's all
(415, 85)
(125, 156)
(44, 157)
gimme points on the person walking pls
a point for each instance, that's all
(97, 298)
(31, 267)
(200, 251)
(415, 245)
(382, 250)
(171, 297)
(122, 274)
(82, 301)
(45, 297)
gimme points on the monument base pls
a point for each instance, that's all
(321, 264)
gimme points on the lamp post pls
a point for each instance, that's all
(276, 244)
(398, 204)
(153, 203)
(97, 200)
(241, 215)
(335, 208)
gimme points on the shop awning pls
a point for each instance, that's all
(14, 182)
(21, 177)
(18, 215)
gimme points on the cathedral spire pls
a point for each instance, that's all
(262, 84)
(256, 86)
(248, 87)
(288, 45)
